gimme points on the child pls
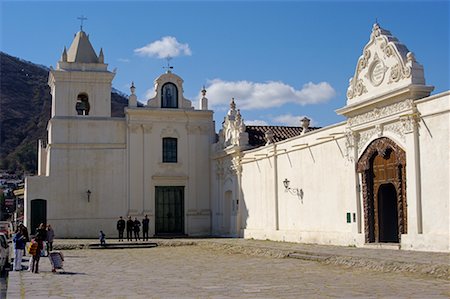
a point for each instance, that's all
(102, 236)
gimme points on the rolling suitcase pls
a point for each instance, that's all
(56, 259)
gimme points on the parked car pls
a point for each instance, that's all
(5, 257)
(6, 227)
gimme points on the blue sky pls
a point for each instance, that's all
(280, 60)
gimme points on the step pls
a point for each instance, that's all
(122, 245)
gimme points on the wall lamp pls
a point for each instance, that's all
(294, 191)
(88, 194)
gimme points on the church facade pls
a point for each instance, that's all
(95, 168)
(381, 178)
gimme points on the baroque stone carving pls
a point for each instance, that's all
(399, 72)
(233, 132)
(384, 61)
(364, 137)
(379, 130)
(351, 140)
(381, 112)
(397, 129)
(409, 122)
(358, 89)
(362, 63)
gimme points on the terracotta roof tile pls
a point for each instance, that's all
(256, 133)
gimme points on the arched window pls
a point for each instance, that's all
(169, 96)
(82, 106)
(169, 148)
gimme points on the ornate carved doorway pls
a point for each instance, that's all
(383, 168)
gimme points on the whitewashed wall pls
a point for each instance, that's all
(83, 154)
(327, 182)
(432, 233)
(322, 165)
(194, 132)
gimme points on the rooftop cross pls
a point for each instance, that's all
(168, 67)
(82, 18)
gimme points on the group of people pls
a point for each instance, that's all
(44, 233)
(133, 226)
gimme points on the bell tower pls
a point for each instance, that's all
(81, 83)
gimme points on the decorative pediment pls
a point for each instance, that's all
(169, 77)
(385, 66)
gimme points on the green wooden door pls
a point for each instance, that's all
(169, 202)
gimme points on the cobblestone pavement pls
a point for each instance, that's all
(205, 272)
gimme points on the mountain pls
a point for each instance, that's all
(25, 108)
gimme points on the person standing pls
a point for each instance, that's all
(137, 228)
(19, 246)
(38, 239)
(121, 228)
(50, 238)
(42, 232)
(130, 228)
(25, 234)
(145, 224)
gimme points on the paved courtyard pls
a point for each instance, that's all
(199, 272)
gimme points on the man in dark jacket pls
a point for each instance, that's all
(130, 228)
(145, 223)
(121, 228)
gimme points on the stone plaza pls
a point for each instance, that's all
(231, 268)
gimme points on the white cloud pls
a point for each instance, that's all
(167, 46)
(149, 93)
(256, 122)
(254, 95)
(291, 120)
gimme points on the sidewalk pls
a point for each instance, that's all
(431, 264)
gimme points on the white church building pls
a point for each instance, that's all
(381, 178)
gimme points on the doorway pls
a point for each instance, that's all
(383, 171)
(169, 201)
(38, 214)
(387, 214)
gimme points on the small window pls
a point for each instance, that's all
(169, 96)
(170, 150)
(82, 105)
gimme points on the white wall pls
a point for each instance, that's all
(323, 174)
(434, 144)
(322, 164)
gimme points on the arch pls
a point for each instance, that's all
(82, 106)
(169, 96)
(382, 164)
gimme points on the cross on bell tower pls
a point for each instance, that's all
(82, 18)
